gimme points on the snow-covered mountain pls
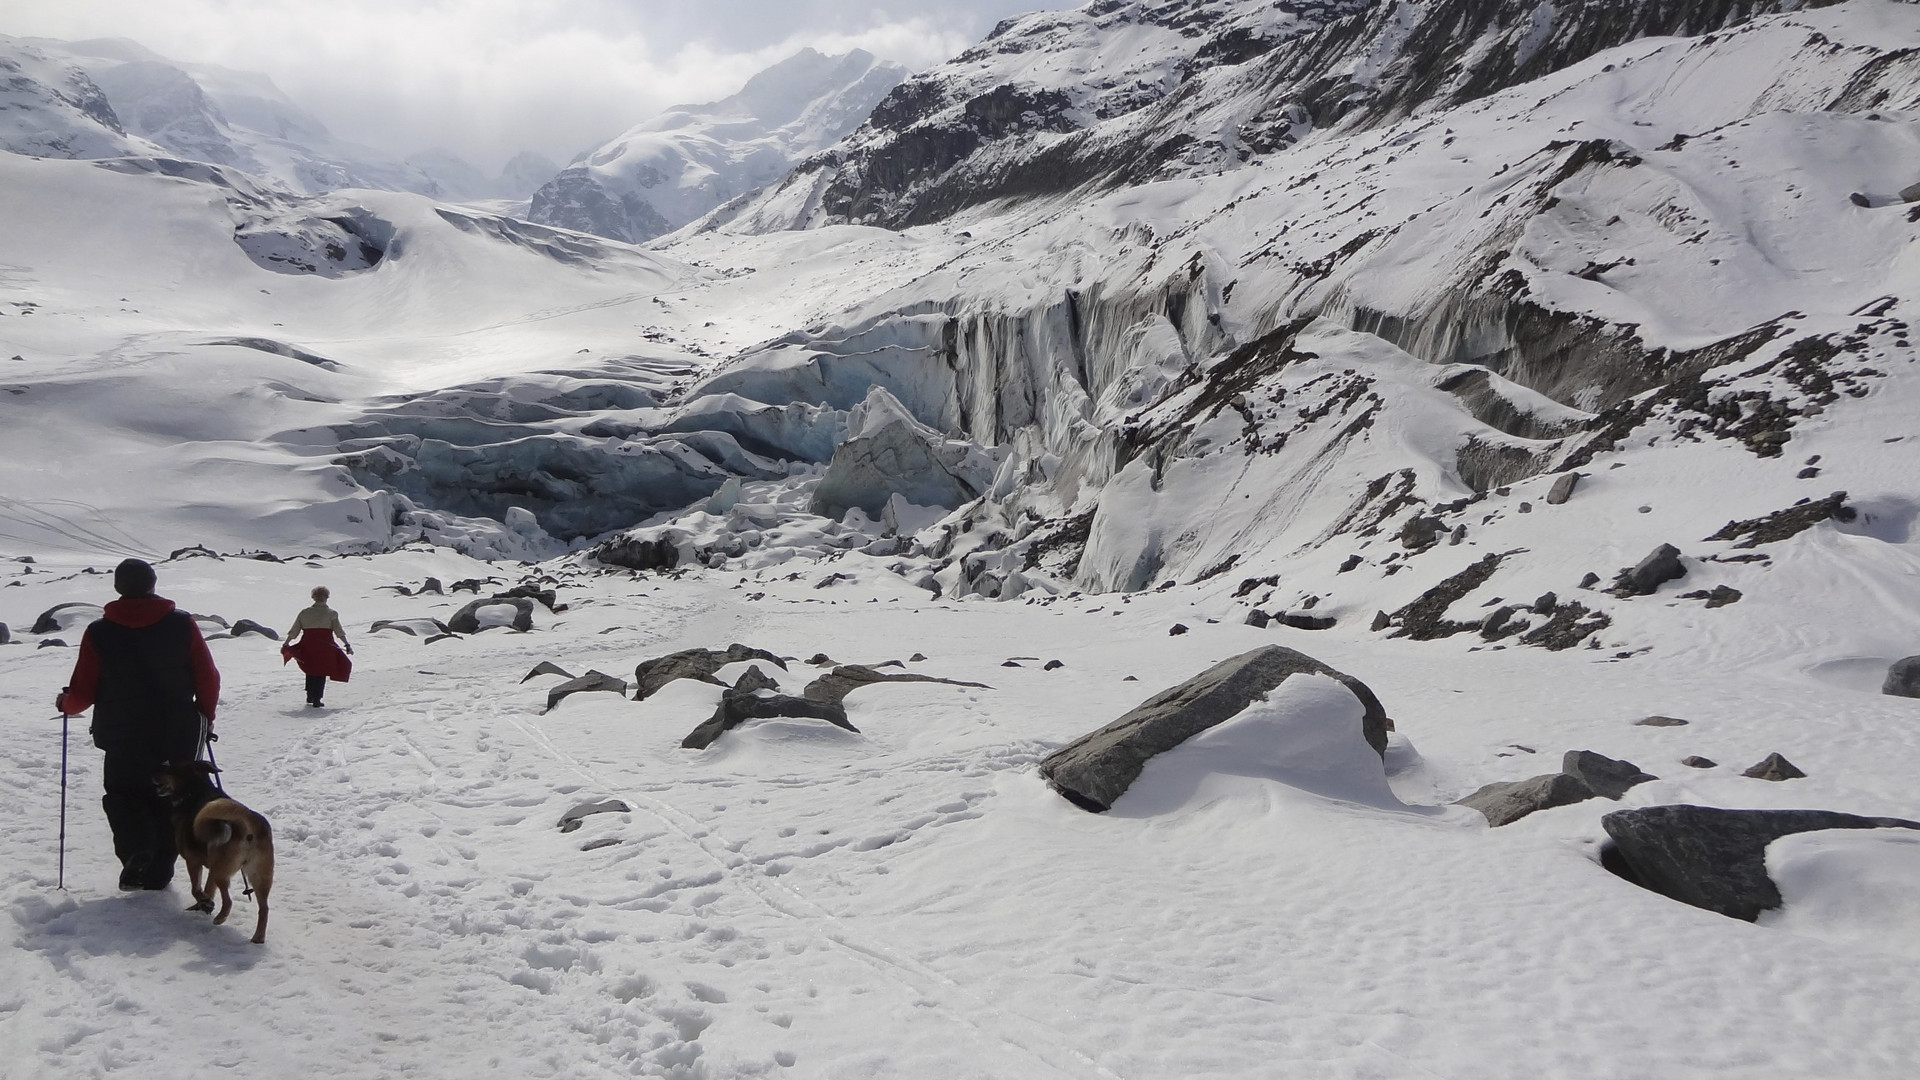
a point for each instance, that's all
(1119, 93)
(673, 168)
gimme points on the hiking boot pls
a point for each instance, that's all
(133, 875)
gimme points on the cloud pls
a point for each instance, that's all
(486, 78)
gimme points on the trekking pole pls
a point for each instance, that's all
(61, 878)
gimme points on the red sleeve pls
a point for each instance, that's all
(206, 677)
(84, 683)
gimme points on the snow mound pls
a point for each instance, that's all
(1858, 887)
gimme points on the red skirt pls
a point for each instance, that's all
(318, 655)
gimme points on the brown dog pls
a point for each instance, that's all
(219, 836)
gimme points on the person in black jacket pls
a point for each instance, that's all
(146, 671)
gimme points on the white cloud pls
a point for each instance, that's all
(486, 78)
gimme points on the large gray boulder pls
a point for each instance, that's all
(1097, 768)
(1608, 777)
(1714, 858)
(834, 686)
(592, 680)
(757, 697)
(888, 453)
(468, 621)
(63, 617)
(1507, 801)
(1644, 577)
(698, 664)
(1903, 678)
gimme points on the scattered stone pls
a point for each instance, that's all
(1660, 721)
(1720, 596)
(1309, 622)
(699, 664)
(1425, 619)
(1807, 473)
(1421, 532)
(1609, 778)
(835, 685)
(1695, 761)
(1544, 604)
(1457, 536)
(1643, 578)
(832, 579)
(1562, 489)
(1258, 619)
(820, 659)
(571, 820)
(1494, 626)
(248, 626)
(1589, 581)
(1858, 199)
(547, 597)
(1010, 663)
(1910, 193)
(1774, 767)
(1050, 665)
(1097, 768)
(1508, 801)
(1381, 620)
(596, 845)
(1526, 508)
(52, 643)
(1710, 857)
(545, 667)
(432, 586)
(916, 658)
(1782, 524)
(592, 680)
(64, 617)
(1177, 629)
(1903, 678)
(1352, 562)
(467, 619)
(197, 551)
(415, 627)
(6, 636)
(754, 697)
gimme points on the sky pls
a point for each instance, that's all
(487, 78)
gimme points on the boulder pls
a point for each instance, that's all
(887, 453)
(1258, 619)
(1695, 761)
(468, 620)
(1710, 857)
(547, 597)
(592, 680)
(418, 627)
(1660, 721)
(570, 820)
(700, 664)
(1774, 767)
(1903, 678)
(6, 636)
(248, 626)
(756, 697)
(1097, 768)
(61, 617)
(1660, 566)
(1562, 489)
(1508, 801)
(834, 686)
(1299, 621)
(544, 667)
(1608, 777)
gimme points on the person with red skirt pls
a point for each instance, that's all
(319, 656)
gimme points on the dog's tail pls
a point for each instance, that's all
(213, 833)
(220, 822)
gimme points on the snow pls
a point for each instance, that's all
(911, 900)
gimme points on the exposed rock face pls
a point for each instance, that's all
(468, 619)
(1714, 858)
(889, 453)
(1563, 488)
(1097, 768)
(62, 617)
(1608, 777)
(248, 626)
(1903, 678)
(571, 820)
(756, 697)
(698, 664)
(1782, 524)
(1506, 802)
(834, 686)
(1774, 767)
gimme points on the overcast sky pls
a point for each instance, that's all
(486, 78)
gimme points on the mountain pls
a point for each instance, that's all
(670, 170)
(49, 107)
(1121, 92)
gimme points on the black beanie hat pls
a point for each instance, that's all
(134, 578)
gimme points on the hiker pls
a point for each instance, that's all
(319, 657)
(146, 671)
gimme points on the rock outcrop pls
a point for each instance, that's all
(698, 664)
(756, 697)
(470, 620)
(592, 680)
(1903, 678)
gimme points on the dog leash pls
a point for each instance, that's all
(207, 742)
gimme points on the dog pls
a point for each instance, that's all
(219, 837)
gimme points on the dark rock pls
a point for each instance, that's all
(52, 621)
(592, 680)
(1807, 473)
(1381, 620)
(1421, 532)
(471, 585)
(467, 619)
(1258, 619)
(571, 820)
(754, 697)
(1714, 858)
(637, 553)
(1494, 626)
(1643, 578)
(1352, 562)
(1695, 761)
(1660, 721)
(1720, 596)
(1050, 665)
(1457, 536)
(1010, 663)
(1177, 629)
(547, 597)
(1097, 768)
(1903, 678)
(406, 626)
(248, 626)
(1774, 767)
(1910, 193)
(1544, 604)
(1425, 618)
(197, 551)
(546, 667)
(1308, 622)
(602, 842)
(835, 685)
(1858, 199)
(52, 643)
(1589, 580)
(432, 586)
(6, 636)
(820, 659)
(1562, 489)
(1782, 524)
(1508, 801)
(916, 658)
(1526, 508)
(700, 664)
(1609, 778)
